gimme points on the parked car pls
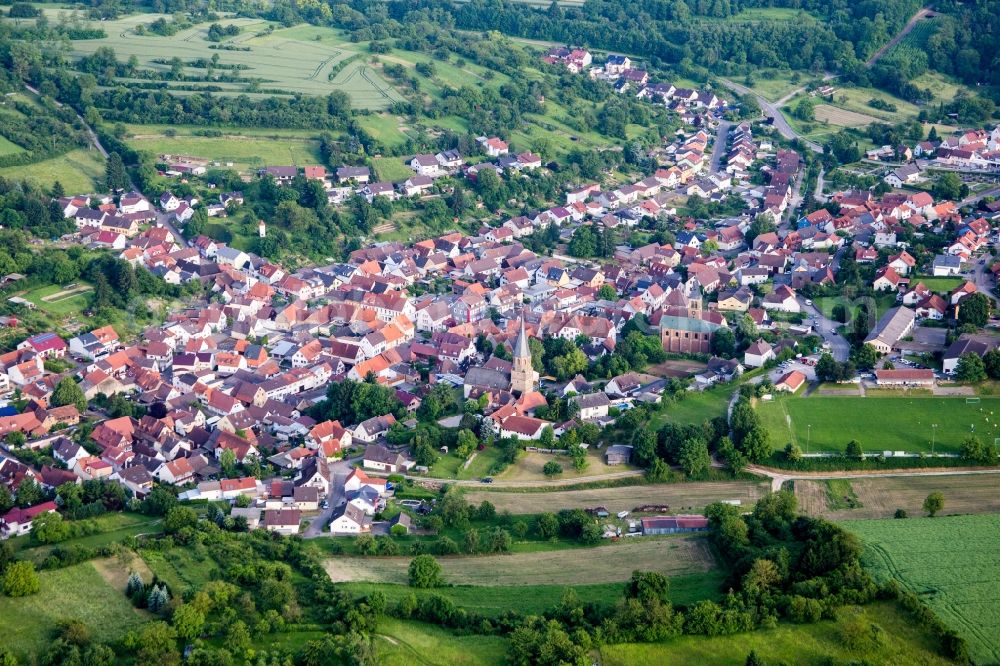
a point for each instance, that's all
(487, 479)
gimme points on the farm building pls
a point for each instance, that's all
(618, 454)
(673, 524)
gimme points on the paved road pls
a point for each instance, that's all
(898, 38)
(721, 138)
(840, 349)
(773, 111)
(975, 198)
(983, 280)
(818, 194)
(167, 220)
(339, 472)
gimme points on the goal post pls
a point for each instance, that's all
(972, 401)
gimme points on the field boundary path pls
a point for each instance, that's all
(899, 37)
(779, 477)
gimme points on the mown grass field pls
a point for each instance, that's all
(536, 599)
(693, 496)
(243, 147)
(803, 645)
(70, 304)
(289, 60)
(404, 643)
(79, 171)
(904, 423)
(951, 563)
(879, 497)
(610, 563)
(78, 592)
(529, 467)
(696, 408)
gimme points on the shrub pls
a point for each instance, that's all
(552, 468)
(425, 572)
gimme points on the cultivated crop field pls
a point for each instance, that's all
(287, 59)
(951, 563)
(904, 423)
(601, 564)
(881, 496)
(679, 496)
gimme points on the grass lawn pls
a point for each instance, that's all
(536, 599)
(391, 168)
(79, 170)
(8, 147)
(78, 592)
(806, 645)
(696, 408)
(610, 563)
(882, 303)
(452, 467)
(941, 285)
(951, 563)
(405, 643)
(904, 423)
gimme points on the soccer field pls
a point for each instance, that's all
(879, 423)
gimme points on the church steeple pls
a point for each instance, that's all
(523, 377)
(521, 348)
